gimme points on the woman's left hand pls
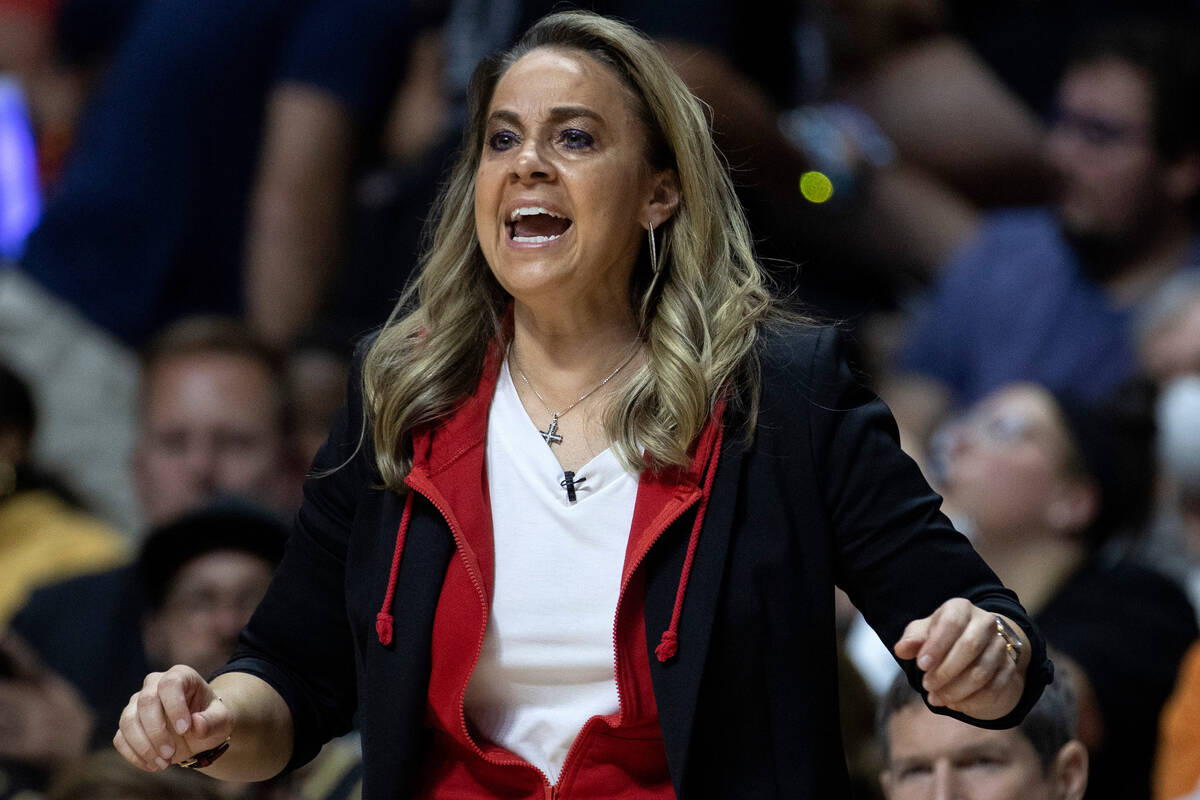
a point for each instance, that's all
(966, 664)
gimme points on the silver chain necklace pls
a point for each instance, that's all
(551, 434)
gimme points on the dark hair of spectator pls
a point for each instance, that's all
(215, 335)
(1112, 445)
(107, 776)
(17, 412)
(1048, 726)
(1169, 54)
(225, 524)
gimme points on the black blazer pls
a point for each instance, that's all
(821, 495)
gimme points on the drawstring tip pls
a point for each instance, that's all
(668, 647)
(383, 628)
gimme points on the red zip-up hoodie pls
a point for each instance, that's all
(620, 755)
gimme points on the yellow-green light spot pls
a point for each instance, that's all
(816, 187)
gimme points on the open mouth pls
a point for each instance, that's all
(535, 225)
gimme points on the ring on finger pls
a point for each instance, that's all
(1012, 642)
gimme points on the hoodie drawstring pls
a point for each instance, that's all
(383, 620)
(668, 646)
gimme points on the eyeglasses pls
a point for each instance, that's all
(996, 429)
(198, 604)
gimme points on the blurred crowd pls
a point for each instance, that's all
(205, 206)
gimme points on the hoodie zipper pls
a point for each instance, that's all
(420, 484)
(637, 564)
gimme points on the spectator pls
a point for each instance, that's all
(228, 197)
(200, 579)
(1168, 336)
(1042, 482)
(214, 424)
(933, 757)
(43, 538)
(1177, 767)
(102, 776)
(214, 420)
(1046, 294)
(203, 576)
(1168, 330)
(316, 369)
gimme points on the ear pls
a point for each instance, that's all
(1182, 177)
(664, 197)
(1070, 771)
(1075, 507)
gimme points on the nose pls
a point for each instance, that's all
(945, 783)
(530, 164)
(961, 437)
(227, 620)
(201, 462)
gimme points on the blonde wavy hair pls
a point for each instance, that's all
(699, 315)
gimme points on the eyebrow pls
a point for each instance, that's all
(557, 114)
(993, 749)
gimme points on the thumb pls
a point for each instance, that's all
(914, 636)
(213, 723)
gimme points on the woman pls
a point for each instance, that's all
(1049, 486)
(463, 576)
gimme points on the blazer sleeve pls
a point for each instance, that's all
(896, 555)
(299, 639)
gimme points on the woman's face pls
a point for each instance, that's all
(563, 191)
(1008, 464)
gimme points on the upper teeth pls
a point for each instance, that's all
(529, 211)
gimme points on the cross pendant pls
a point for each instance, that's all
(550, 434)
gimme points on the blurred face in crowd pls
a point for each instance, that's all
(207, 604)
(933, 757)
(211, 425)
(317, 386)
(1009, 468)
(1173, 349)
(1112, 181)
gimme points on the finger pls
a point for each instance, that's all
(178, 690)
(135, 736)
(946, 625)
(974, 640)
(129, 754)
(977, 677)
(214, 723)
(998, 698)
(152, 721)
(913, 637)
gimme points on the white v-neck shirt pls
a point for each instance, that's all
(547, 664)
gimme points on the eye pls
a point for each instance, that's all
(502, 140)
(575, 139)
(172, 441)
(913, 771)
(982, 761)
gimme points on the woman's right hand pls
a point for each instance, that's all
(175, 715)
